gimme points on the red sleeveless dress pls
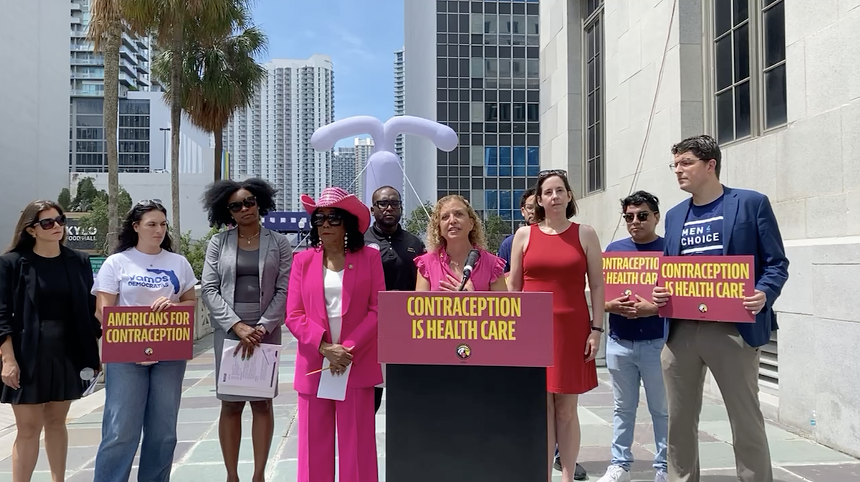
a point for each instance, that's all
(556, 263)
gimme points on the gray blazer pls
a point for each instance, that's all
(219, 278)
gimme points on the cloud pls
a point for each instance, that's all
(353, 46)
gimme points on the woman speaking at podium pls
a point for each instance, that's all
(556, 255)
(332, 307)
(453, 232)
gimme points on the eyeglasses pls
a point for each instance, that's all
(684, 163)
(333, 218)
(642, 216)
(553, 172)
(385, 203)
(49, 223)
(248, 202)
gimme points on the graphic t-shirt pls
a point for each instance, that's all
(139, 279)
(620, 327)
(702, 234)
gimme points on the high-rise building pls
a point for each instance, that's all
(343, 169)
(87, 66)
(87, 150)
(363, 149)
(271, 138)
(399, 97)
(474, 66)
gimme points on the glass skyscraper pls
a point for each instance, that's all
(486, 73)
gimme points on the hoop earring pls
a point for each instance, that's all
(345, 241)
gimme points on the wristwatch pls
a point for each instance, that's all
(597, 328)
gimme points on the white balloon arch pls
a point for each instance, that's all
(384, 167)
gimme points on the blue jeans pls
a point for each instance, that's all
(139, 398)
(628, 363)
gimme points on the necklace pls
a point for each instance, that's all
(250, 238)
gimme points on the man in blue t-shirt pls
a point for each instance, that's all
(633, 347)
(527, 208)
(716, 221)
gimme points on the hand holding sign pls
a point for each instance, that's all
(621, 306)
(756, 302)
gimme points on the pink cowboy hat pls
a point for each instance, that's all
(335, 197)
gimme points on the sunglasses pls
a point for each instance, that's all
(151, 203)
(642, 216)
(237, 206)
(385, 203)
(552, 172)
(333, 218)
(49, 223)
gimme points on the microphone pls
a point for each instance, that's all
(471, 260)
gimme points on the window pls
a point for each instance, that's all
(748, 60)
(593, 69)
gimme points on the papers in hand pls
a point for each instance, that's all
(254, 377)
(333, 387)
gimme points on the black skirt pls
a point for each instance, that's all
(55, 378)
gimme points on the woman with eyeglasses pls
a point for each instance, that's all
(48, 335)
(453, 231)
(143, 271)
(332, 308)
(556, 255)
(245, 281)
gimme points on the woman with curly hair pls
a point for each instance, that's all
(245, 281)
(332, 309)
(454, 230)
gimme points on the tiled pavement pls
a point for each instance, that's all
(198, 456)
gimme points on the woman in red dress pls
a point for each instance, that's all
(556, 255)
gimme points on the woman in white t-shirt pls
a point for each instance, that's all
(142, 396)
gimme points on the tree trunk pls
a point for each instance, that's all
(175, 121)
(219, 153)
(110, 111)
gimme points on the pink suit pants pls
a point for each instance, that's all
(355, 421)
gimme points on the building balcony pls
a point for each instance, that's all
(88, 75)
(76, 7)
(81, 48)
(78, 33)
(80, 61)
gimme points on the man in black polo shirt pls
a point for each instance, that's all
(397, 247)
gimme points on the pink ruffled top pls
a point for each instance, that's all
(434, 267)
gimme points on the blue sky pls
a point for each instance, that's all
(359, 35)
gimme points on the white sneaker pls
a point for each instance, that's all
(615, 474)
(661, 477)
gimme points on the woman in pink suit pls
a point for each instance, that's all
(331, 310)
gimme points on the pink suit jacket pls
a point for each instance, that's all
(307, 319)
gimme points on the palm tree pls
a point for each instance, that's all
(217, 77)
(105, 30)
(167, 20)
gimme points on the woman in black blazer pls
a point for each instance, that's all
(48, 335)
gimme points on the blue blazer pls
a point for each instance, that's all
(749, 228)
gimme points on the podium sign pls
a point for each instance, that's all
(465, 384)
(482, 328)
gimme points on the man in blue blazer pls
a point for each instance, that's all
(719, 220)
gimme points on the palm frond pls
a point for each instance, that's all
(106, 17)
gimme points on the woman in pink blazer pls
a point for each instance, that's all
(332, 312)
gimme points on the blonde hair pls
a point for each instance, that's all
(434, 234)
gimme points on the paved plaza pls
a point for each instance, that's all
(198, 454)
